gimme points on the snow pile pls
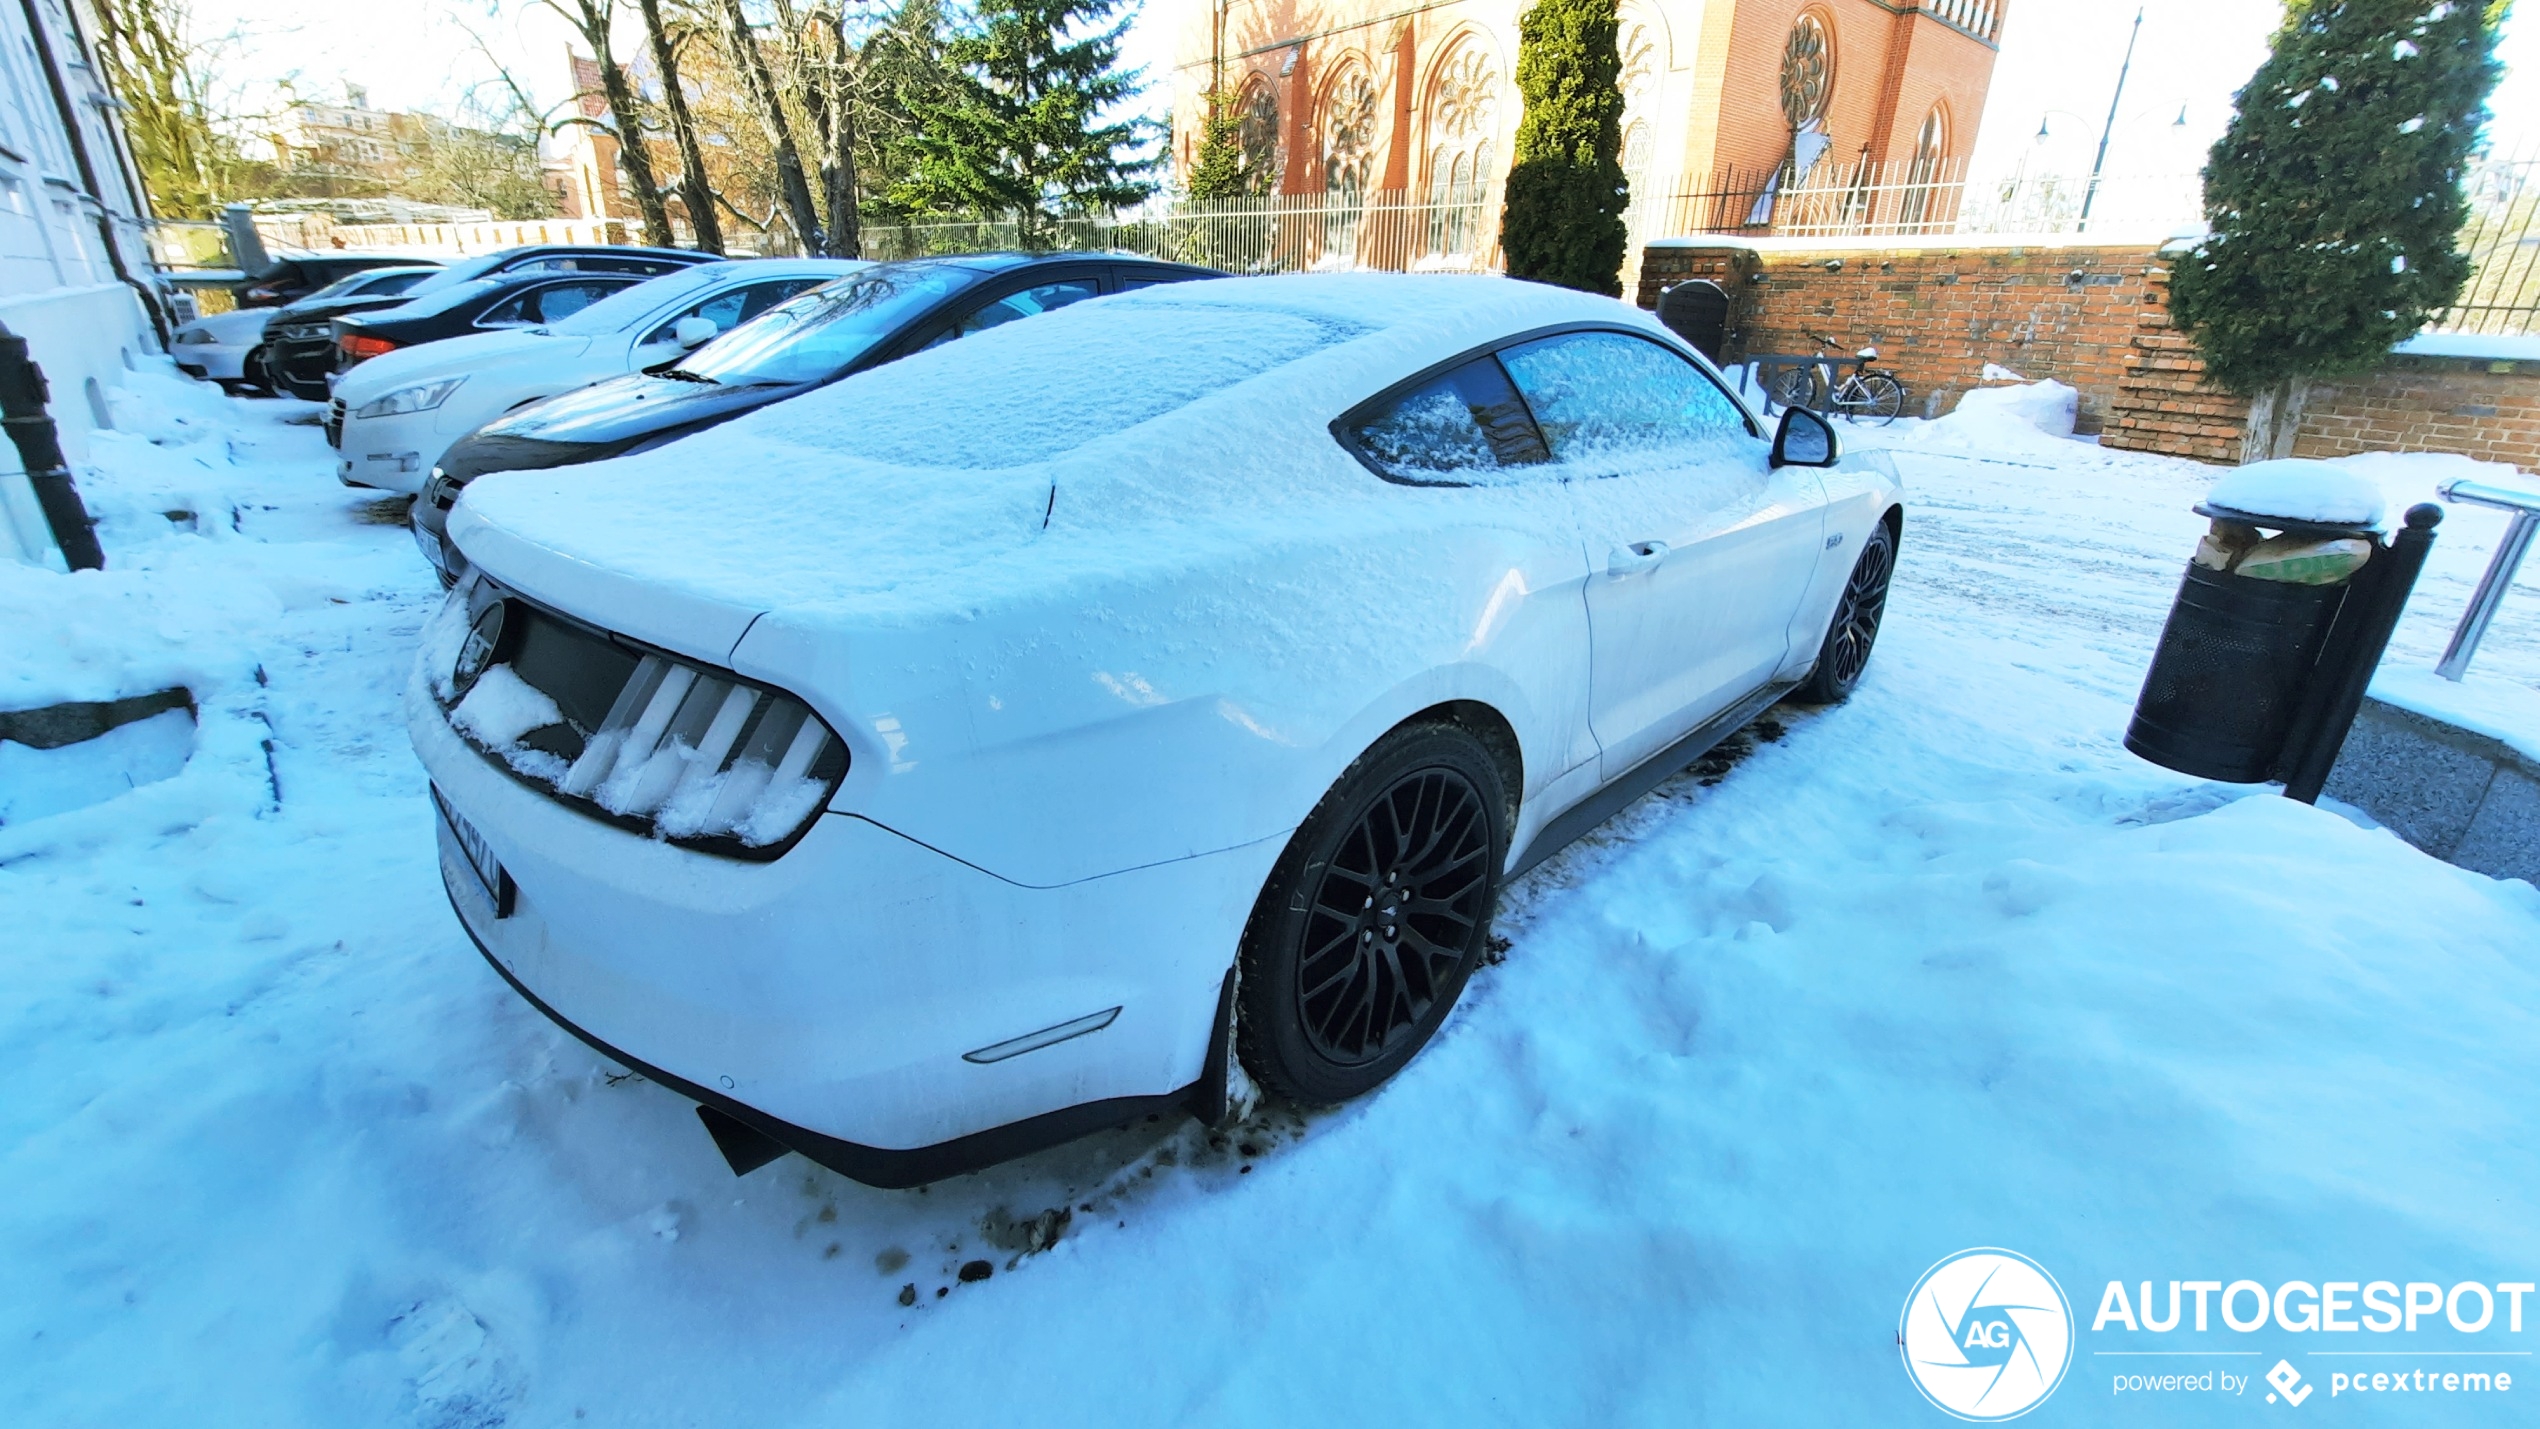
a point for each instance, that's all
(2302, 489)
(38, 783)
(2031, 418)
(2048, 407)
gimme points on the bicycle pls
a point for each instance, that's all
(1863, 396)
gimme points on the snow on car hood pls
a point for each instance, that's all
(1027, 453)
(453, 357)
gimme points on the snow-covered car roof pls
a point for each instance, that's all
(1200, 410)
(632, 307)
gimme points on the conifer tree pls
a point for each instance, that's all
(1016, 130)
(1563, 219)
(2335, 199)
(1217, 171)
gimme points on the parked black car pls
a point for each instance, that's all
(288, 280)
(883, 313)
(301, 346)
(244, 371)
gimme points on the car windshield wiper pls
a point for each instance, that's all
(681, 374)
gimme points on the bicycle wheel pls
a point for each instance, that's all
(1871, 397)
(1793, 387)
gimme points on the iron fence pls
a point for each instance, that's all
(1454, 229)
(2502, 239)
(1913, 198)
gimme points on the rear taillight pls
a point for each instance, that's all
(684, 752)
(703, 756)
(358, 346)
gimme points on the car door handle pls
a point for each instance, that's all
(1636, 558)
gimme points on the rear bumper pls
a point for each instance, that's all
(840, 999)
(874, 1165)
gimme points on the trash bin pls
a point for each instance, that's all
(1697, 310)
(2271, 641)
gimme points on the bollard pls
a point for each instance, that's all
(23, 394)
(2351, 655)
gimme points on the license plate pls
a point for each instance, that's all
(479, 857)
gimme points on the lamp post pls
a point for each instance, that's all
(2091, 193)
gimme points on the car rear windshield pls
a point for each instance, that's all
(1029, 391)
(812, 337)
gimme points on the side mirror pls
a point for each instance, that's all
(1805, 439)
(691, 332)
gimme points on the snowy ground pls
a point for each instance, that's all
(1943, 967)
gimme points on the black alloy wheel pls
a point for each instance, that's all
(1846, 651)
(1375, 916)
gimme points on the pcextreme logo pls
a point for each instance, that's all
(1986, 1335)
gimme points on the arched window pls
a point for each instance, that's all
(1925, 206)
(1639, 50)
(1258, 135)
(1463, 125)
(1347, 135)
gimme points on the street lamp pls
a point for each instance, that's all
(2092, 192)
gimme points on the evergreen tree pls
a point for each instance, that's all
(1217, 171)
(1563, 221)
(2335, 198)
(1015, 130)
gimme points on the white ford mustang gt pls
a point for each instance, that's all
(995, 745)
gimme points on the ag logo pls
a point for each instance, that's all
(1986, 1335)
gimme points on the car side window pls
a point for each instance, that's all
(566, 299)
(1619, 400)
(390, 283)
(1464, 427)
(1048, 297)
(546, 304)
(1130, 283)
(510, 312)
(724, 310)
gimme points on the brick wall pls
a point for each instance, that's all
(1937, 314)
(2163, 404)
(2095, 318)
(2486, 409)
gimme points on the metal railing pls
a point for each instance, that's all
(2501, 567)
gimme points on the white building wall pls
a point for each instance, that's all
(59, 288)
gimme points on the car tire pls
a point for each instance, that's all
(1335, 999)
(1845, 652)
(253, 380)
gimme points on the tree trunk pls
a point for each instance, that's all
(791, 182)
(837, 160)
(704, 224)
(2275, 417)
(629, 116)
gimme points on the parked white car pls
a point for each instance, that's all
(401, 410)
(904, 772)
(227, 347)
